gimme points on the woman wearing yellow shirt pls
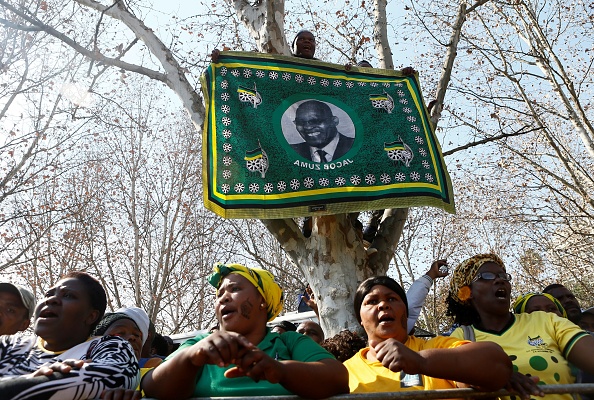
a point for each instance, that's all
(395, 361)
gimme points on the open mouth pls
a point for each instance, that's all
(47, 314)
(226, 313)
(385, 318)
(501, 293)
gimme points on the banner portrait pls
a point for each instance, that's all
(287, 137)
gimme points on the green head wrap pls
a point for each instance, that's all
(521, 302)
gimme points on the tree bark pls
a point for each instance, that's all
(265, 20)
(380, 34)
(448, 65)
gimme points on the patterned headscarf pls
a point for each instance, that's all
(521, 302)
(465, 272)
(261, 279)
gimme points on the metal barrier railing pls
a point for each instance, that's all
(429, 394)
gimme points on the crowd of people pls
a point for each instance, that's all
(76, 350)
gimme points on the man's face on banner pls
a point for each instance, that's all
(315, 123)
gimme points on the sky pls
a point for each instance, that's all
(163, 10)
(160, 18)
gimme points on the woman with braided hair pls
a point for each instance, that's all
(540, 344)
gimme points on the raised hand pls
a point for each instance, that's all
(408, 71)
(214, 56)
(438, 269)
(311, 302)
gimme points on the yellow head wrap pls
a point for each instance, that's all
(465, 272)
(261, 279)
(521, 302)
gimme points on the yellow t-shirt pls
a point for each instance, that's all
(371, 376)
(537, 344)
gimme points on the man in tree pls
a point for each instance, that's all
(314, 119)
(16, 307)
(567, 300)
(304, 45)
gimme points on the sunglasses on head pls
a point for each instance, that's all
(489, 276)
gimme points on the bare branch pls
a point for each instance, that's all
(95, 55)
(488, 140)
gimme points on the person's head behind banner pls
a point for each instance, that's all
(262, 280)
(304, 45)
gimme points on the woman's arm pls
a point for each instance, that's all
(325, 378)
(464, 363)
(467, 364)
(328, 378)
(176, 378)
(417, 293)
(582, 354)
(110, 364)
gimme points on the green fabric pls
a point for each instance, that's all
(288, 346)
(252, 168)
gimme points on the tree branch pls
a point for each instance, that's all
(448, 65)
(386, 240)
(95, 55)
(287, 233)
(488, 140)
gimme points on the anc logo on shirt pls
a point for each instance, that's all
(538, 345)
(537, 341)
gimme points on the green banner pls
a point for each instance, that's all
(287, 137)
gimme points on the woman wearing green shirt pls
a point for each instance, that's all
(244, 358)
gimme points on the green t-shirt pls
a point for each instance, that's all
(288, 346)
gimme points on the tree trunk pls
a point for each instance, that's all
(334, 260)
(380, 35)
(265, 20)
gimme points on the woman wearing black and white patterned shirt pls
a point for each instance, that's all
(61, 360)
